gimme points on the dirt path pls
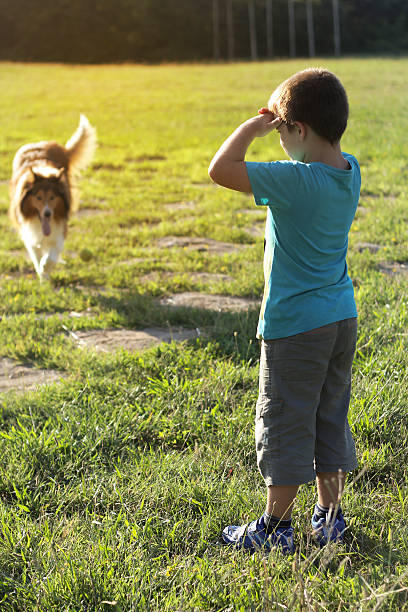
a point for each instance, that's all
(221, 303)
(13, 375)
(108, 340)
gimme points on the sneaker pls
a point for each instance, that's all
(253, 536)
(329, 528)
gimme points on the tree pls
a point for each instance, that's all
(230, 31)
(252, 30)
(216, 29)
(292, 30)
(336, 27)
(148, 30)
(269, 28)
(310, 28)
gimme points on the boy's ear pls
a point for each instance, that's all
(301, 129)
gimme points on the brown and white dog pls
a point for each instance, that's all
(42, 193)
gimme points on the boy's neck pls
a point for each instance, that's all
(324, 152)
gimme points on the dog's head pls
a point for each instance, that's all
(47, 196)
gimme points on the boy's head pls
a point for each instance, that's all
(315, 97)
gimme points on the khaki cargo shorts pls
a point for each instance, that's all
(301, 424)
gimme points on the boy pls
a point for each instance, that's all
(308, 317)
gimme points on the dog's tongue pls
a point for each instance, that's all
(46, 227)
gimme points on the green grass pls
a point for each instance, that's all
(115, 483)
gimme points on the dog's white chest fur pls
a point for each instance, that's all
(44, 251)
(32, 233)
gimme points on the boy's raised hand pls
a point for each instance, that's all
(227, 167)
(266, 121)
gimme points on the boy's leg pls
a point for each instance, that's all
(327, 520)
(330, 486)
(334, 443)
(292, 373)
(280, 501)
(335, 448)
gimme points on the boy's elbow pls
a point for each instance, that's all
(217, 172)
(212, 172)
(232, 175)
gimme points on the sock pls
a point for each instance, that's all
(272, 522)
(322, 512)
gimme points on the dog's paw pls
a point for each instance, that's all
(47, 264)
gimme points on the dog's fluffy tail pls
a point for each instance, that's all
(81, 146)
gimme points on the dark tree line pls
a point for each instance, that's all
(178, 30)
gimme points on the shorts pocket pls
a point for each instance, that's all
(268, 426)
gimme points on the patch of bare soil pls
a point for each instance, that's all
(203, 277)
(44, 316)
(146, 169)
(394, 268)
(254, 210)
(17, 253)
(109, 340)
(100, 290)
(257, 230)
(107, 167)
(198, 244)
(207, 277)
(130, 262)
(366, 193)
(155, 276)
(180, 205)
(15, 376)
(143, 158)
(91, 212)
(206, 185)
(368, 246)
(362, 210)
(220, 303)
(17, 275)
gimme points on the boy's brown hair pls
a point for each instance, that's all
(316, 97)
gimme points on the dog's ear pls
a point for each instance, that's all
(20, 190)
(36, 176)
(27, 183)
(24, 190)
(27, 208)
(30, 176)
(64, 190)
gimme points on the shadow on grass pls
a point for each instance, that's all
(234, 332)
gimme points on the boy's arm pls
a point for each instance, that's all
(227, 168)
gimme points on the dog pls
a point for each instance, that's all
(43, 193)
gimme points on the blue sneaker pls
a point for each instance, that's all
(328, 528)
(253, 536)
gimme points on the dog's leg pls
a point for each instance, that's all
(51, 256)
(34, 254)
(48, 262)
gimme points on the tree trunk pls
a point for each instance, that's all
(310, 28)
(336, 27)
(269, 28)
(216, 29)
(230, 31)
(252, 30)
(292, 31)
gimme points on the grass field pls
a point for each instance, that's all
(116, 481)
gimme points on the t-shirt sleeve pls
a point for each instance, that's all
(354, 164)
(273, 184)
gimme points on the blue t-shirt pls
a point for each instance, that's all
(310, 211)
